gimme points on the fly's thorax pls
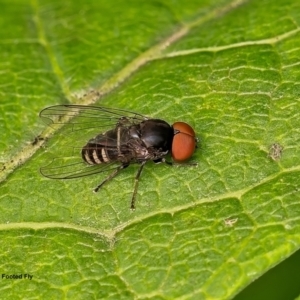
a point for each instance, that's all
(156, 134)
(134, 132)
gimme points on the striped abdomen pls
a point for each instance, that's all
(95, 154)
(108, 147)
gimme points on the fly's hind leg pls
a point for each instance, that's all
(136, 184)
(110, 176)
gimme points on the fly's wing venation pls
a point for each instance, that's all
(76, 125)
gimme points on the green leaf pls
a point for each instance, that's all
(230, 69)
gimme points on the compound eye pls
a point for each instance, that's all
(184, 142)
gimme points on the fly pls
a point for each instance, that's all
(129, 138)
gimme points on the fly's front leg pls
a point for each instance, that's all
(170, 163)
(136, 183)
(109, 177)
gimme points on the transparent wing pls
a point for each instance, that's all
(78, 124)
(81, 117)
(73, 167)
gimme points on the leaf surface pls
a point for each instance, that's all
(230, 69)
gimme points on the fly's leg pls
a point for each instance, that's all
(109, 177)
(136, 184)
(167, 162)
(191, 164)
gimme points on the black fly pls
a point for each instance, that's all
(125, 138)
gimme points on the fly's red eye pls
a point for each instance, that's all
(184, 142)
